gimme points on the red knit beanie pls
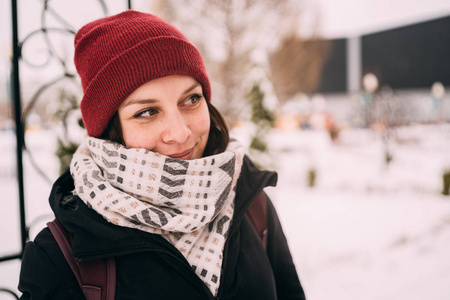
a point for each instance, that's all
(117, 54)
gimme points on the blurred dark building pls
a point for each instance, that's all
(334, 70)
(413, 56)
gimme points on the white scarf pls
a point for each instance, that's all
(188, 202)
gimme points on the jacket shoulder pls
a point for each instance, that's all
(45, 274)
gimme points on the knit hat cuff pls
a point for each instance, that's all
(152, 58)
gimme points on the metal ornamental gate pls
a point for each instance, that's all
(20, 114)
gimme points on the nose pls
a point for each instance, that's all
(176, 129)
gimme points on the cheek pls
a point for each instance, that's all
(202, 124)
(136, 136)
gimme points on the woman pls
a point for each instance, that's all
(157, 184)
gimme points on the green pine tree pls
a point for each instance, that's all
(263, 120)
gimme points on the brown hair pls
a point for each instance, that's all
(217, 140)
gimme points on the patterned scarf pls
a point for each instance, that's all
(188, 202)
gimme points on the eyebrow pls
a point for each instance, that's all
(151, 101)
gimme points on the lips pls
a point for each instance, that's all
(183, 155)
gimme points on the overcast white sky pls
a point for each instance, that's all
(342, 18)
(338, 18)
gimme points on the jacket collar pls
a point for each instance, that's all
(251, 183)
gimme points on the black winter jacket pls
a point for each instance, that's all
(149, 267)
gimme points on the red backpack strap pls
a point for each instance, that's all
(257, 213)
(97, 279)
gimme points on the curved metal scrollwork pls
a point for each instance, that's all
(46, 32)
(52, 54)
(21, 116)
(7, 291)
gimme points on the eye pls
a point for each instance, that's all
(193, 99)
(146, 113)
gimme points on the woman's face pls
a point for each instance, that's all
(168, 115)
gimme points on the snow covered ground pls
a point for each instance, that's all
(365, 231)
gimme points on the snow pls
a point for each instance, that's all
(367, 231)
(364, 231)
